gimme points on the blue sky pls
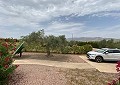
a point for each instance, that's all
(82, 18)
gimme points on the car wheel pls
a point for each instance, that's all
(99, 59)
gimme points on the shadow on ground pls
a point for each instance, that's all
(103, 61)
(42, 56)
(55, 57)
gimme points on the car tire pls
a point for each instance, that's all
(99, 59)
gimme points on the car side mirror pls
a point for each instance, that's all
(105, 52)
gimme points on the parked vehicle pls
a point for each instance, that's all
(104, 55)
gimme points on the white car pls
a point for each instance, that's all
(104, 54)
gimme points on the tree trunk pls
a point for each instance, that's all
(48, 51)
(20, 54)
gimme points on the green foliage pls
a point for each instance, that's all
(87, 48)
(75, 49)
(71, 43)
(6, 59)
(36, 41)
(54, 44)
(102, 44)
(67, 49)
(81, 50)
(97, 44)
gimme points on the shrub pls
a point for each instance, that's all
(6, 67)
(87, 48)
(67, 49)
(75, 49)
(81, 50)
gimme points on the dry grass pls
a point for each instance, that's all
(88, 77)
(37, 75)
(45, 75)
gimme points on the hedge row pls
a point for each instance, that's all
(77, 49)
(65, 50)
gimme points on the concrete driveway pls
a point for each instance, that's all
(109, 67)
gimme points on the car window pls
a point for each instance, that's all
(109, 51)
(100, 51)
(113, 51)
(116, 51)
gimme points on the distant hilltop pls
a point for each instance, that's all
(86, 39)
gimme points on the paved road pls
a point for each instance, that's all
(108, 67)
(55, 64)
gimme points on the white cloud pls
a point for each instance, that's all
(107, 14)
(29, 14)
(112, 32)
(41, 10)
(60, 28)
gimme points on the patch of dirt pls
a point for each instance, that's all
(37, 75)
(88, 77)
(55, 57)
(45, 75)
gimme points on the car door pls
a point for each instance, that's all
(117, 54)
(111, 55)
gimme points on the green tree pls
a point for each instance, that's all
(110, 44)
(54, 43)
(62, 42)
(34, 40)
(102, 44)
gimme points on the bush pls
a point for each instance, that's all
(75, 49)
(67, 49)
(87, 48)
(6, 67)
(81, 50)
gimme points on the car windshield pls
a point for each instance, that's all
(100, 51)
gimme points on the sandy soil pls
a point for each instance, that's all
(37, 75)
(45, 75)
(55, 57)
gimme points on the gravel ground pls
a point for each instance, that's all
(37, 75)
(88, 77)
(45, 75)
(55, 57)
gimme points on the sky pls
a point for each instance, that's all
(80, 18)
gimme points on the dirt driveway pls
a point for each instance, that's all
(109, 67)
(58, 60)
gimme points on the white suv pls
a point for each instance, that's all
(104, 54)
